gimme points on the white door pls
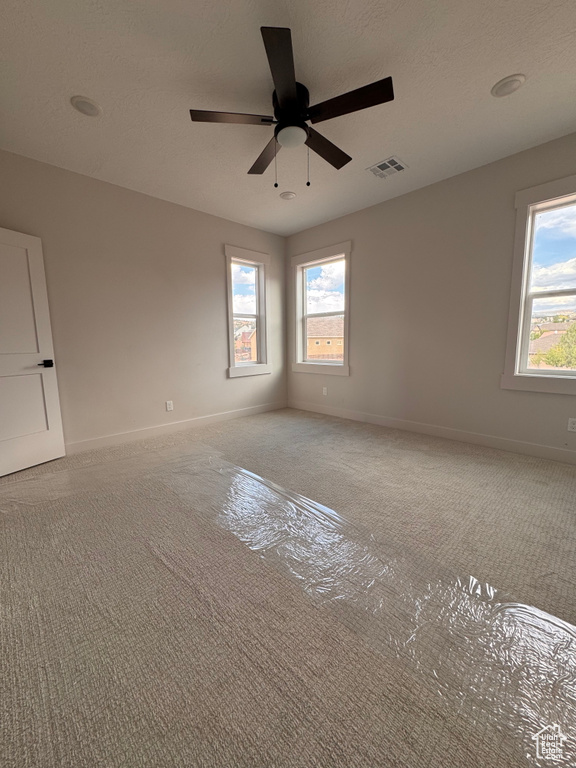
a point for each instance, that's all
(30, 421)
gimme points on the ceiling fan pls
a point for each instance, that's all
(291, 106)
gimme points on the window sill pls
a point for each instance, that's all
(528, 382)
(249, 370)
(332, 369)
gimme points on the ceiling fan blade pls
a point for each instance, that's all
(266, 156)
(368, 96)
(278, 44)
(326, 149)
(202, 116)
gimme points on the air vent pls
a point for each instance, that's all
(388, 167)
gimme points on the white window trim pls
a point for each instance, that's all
(262, 261)
(329, 253)
(543, 196)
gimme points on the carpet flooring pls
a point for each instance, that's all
(138, 631)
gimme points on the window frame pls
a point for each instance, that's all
(299, 263)
(528, 203)
(236, 255)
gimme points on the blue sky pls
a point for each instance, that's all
(554, 258)
(325, 287)
(554, 249)
(244, 289)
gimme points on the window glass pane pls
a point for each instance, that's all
(244, 288)
(325, 338)
(553, 334)
(324, 287)
(245, 340)
(554, 250)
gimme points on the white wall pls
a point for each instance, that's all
(430, 284)
(138, 303)
(137, 296)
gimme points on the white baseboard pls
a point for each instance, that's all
(162, 429)
(490, 441)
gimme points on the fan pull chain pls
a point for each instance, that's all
(308, 182)
(275, 166)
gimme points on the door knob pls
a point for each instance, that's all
(47, 363)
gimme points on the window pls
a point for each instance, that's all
(246, 272)
(541, 350)
(322, 281)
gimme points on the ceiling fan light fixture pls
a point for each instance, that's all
(291, 136)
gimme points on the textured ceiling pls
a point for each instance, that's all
(146, 62)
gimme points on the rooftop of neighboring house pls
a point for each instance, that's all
(243, 333)
(552, 326)
(325, 327)
(243, 337)
(544, 343)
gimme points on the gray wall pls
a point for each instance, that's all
(430, 285)
(138, 303)
(137, 296)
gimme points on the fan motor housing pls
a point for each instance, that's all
(294, 116)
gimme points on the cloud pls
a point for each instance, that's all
(554, 305)
(331, 278)
(325, 293)
(562, 221)
(555, 277)
(243, 275)
(325, 301)
(244, 304)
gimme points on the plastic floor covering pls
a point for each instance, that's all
(501, 663)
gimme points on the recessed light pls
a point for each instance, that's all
(508, 85)
(287, 195)
(86, 106)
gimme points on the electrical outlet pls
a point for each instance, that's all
(169, 405)
(324, 390)
(571, 425)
